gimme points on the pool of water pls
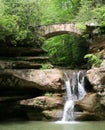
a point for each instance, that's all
(39, 125)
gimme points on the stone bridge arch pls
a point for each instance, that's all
(49, 31)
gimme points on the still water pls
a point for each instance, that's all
(38, 125)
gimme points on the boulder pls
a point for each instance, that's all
(92, 107)
(96, 77)
(88, 103)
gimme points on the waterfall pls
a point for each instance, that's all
(74, 91)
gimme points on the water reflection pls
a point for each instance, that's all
(35, 125)
(82, 126)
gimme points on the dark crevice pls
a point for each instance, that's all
(10, 108)
(88, 86)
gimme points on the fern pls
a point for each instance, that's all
(93, 60)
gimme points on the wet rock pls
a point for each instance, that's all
(86, 116)
(53, 115)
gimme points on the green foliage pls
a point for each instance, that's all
(79, 11)
(46, 66)
(91, 11)
(66, 50)
(93, 60)
(18, 19)
(48, 94)
(56, 11)
(39, 103)
(99, 14)
(17, 22)
(84, 11)
(81, 26)
(8, 29)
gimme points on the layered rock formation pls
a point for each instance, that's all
(92, 107)
(36, 94)
(23, 82)
(36, 88)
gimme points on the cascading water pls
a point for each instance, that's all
(75, 91)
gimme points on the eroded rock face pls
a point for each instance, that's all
(44, 102)
(51, 79)
(19, 92)
(49, 107)
(96, 77)
(92, 107)
(22, 91)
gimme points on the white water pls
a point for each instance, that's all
(75, 91)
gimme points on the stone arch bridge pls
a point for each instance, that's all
(57, 29)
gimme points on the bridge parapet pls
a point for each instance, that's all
(57, 29)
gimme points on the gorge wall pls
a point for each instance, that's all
(31, 94)
(40, 95)
(27, 92)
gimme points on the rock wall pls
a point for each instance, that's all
(92, 107)
(39, 95)
(26, 91)
(36, 94)
(31, 94)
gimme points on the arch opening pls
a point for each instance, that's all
(67, 50)
(53, 34)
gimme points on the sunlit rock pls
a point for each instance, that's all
(51, 79)
(96, 77)
(49, 107)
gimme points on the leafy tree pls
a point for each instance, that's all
(85, 13)
(99, 14)
(57, 11)
(91, 11)
(20, 19)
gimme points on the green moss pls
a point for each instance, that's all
(49, 94)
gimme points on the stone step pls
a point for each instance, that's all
(19, 65)
(25, 58)
(20, 51)
(26, 65)
(33, 58)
